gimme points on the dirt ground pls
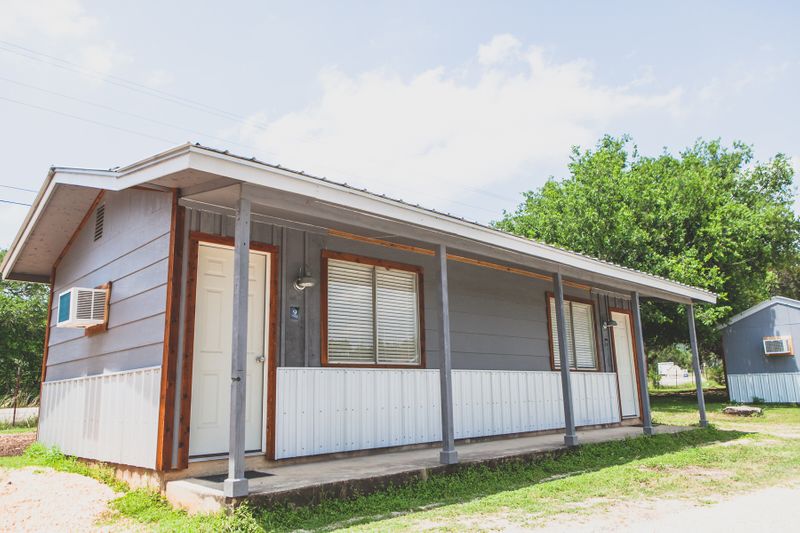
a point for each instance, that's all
(15, 443)
(41, 499)
(764, 510)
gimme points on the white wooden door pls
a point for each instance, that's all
(626, 366)
(211, 367)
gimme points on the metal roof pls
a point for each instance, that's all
(760, 307)
(442, 213)
(117, 179)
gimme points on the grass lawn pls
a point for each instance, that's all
(735, 455)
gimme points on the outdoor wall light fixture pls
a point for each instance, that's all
(305, 280)
(609, 324)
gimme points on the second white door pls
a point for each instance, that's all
(211, 368)
(626, 365)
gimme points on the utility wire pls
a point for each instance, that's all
(134, 132)
(17, 188)
(121, 82)
(91, 121)
(15, 203)
(192, 104)
(126, 113)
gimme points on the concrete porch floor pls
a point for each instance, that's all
(308, 483)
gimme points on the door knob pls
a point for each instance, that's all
(261, 358)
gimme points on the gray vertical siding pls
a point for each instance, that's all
(498, 319)
(742, 341)
(133, 254)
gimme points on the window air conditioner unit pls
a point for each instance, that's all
(81, 308)
(781, 345)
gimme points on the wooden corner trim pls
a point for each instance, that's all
(100, 328)
(166, 409)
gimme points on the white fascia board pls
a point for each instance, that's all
(256, 173)
(35, 211)
(189, 156)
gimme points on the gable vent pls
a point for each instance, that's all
(99, 219)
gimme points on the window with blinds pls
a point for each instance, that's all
(581, 345)
(373, 314)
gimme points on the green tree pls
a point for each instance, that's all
(709, 217)
(23, 312)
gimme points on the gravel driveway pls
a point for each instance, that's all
(771, 509)
(41, 499)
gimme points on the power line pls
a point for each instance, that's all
(17, 188)
(91, 121)
(15, 203)
(192, 104)
(127, 113)
(120, 82)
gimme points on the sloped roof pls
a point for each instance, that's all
(759, 307)
(150, 171)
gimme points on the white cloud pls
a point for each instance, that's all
(67, 25)
(499, 49)
(437, 133)
(159, 78)
(102, 57)
(53, 18)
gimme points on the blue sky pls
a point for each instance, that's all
(454, 105)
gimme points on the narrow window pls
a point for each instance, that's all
(99, 219)
(580, 334)
(372, 314)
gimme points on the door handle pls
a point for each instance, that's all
(261, 359)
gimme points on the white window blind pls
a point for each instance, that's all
(351, 317)
(373, 314)
(581, 346)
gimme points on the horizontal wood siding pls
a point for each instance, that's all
(133, 254)
(498, 319)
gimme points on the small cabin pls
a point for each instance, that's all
(760, 359)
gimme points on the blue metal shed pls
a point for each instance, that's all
(760, 360)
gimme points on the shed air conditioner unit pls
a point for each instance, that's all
(81, 308)
(778, 345)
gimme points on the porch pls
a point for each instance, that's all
(309, 482)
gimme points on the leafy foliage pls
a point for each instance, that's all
(708, 217)
(23, 312)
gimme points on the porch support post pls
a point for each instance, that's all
(448, 455)
(236, 485)
(647, 423)
(698, 378)
(570, 436)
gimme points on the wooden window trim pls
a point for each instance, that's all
(342, 256)
(195, 239)
(100, 328)
(547, 296)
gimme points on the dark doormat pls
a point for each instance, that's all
(215, 481)
(249, 474)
